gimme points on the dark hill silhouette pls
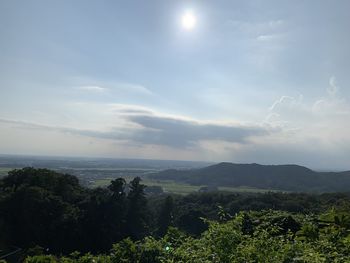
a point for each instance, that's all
(278, 177)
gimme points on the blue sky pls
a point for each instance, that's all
(253, 81)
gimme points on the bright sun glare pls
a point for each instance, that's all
(188, 20)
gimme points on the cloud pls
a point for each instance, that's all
(83, 132)
(131, 88)
(293, 133)
(141, 125)
(118, 87)
(321, 122)
(324, 110)
(333, 88)
(92, 88)
(269, 37)
(177, 132)
(280, 101)
(333, 104)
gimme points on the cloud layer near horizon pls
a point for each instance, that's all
(145, 127)
(295, 130)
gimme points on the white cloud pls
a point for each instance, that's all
(333, 104)
(333, 88)
(270, 37)
(286, 101)
(318, 126)
(131, 88)
(119, 87)
(92, 88)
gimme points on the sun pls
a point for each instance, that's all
(188, 20)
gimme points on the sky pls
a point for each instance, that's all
(254, 81)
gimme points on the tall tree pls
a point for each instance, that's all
(165, 216)
(117, 187)
(138, 214)
(118, 209)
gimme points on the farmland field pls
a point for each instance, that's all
(169, 186)
(101, 177)
(4, 171)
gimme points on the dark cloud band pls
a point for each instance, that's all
(160, 130)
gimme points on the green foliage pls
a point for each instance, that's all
(228, 242)
(39, 207)
(125, 251)
(165, 218)
(308, 232)
(41, 259)
(87, 258)
(137, 216)
(117, 187)
(44, 212)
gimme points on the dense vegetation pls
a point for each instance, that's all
(45, 212)
(247, 237)
(277, 177)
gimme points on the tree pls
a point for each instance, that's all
(97, 221)
(117, 209)
(117, 187)
(137, 216)
(165, 215)
(191, 221)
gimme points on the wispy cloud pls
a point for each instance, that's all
(324, 119)
(119, 88)
(83, 132)
(131, 88)
(269, 37)
(281, 100)
(333, 88)
(92, 88)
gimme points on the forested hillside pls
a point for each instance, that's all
(274, 177)
(49, 216)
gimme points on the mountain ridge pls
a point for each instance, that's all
(287, 177)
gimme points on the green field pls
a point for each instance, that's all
(179, 188)
(168, 186)
(244, 189)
